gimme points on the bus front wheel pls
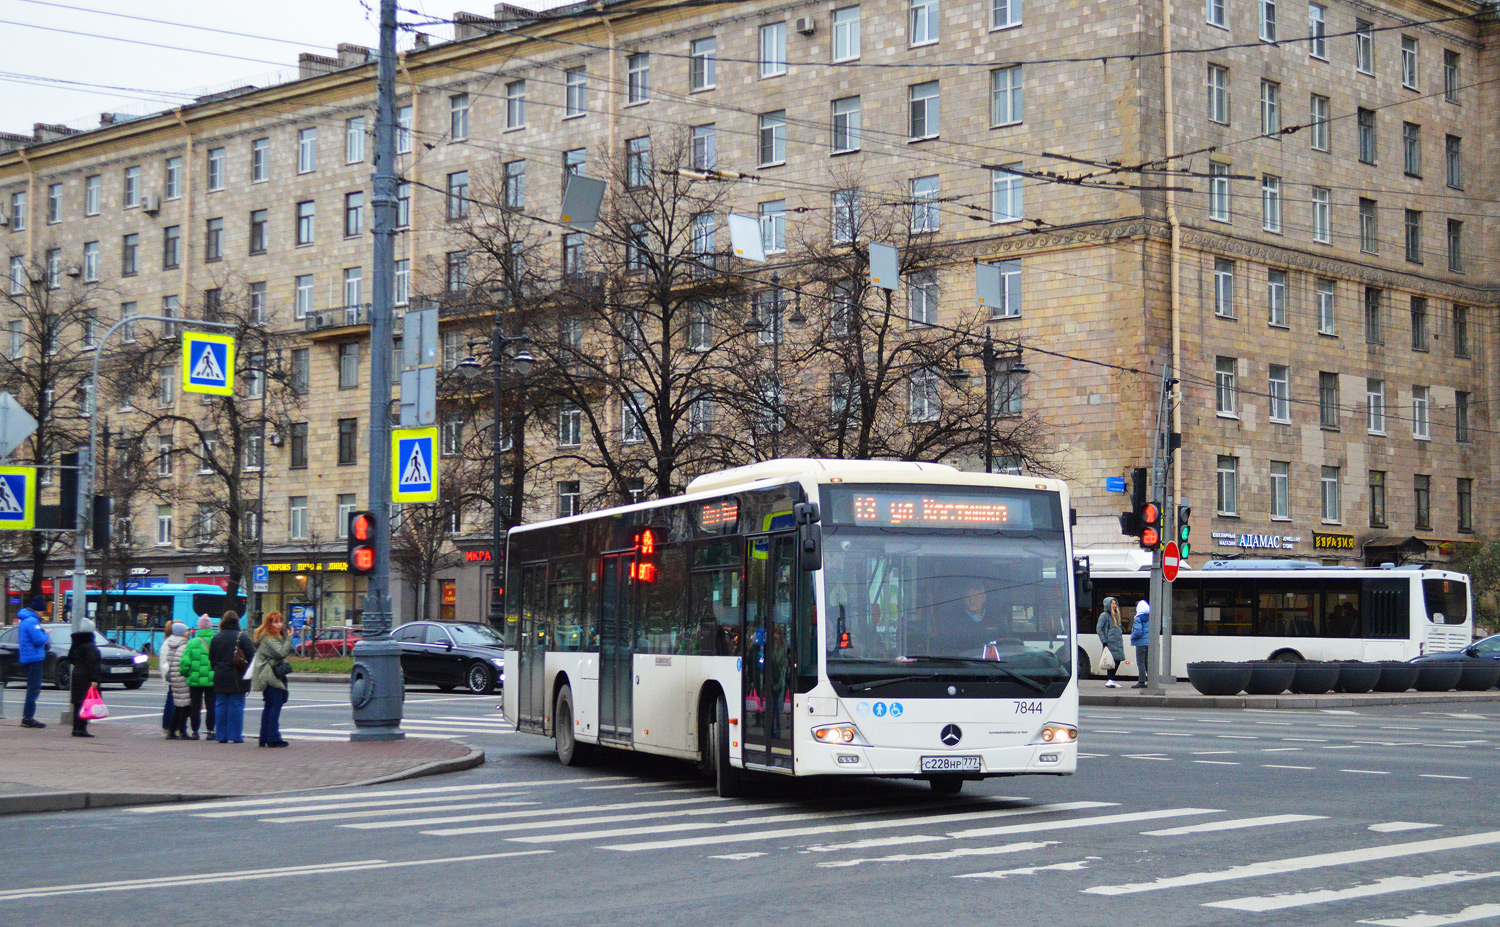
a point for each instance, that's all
(569, 751)
(729, 782)
(946, 785)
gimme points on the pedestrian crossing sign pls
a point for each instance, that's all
(207, 364)
(17, 498)
(414, 465)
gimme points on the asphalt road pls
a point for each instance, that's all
(1385, 816)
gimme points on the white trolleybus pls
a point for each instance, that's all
(1239, 610)
(805, 617)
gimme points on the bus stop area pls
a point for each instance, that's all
(129, 763)
(1180, 694)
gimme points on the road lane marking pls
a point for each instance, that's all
(279, 802)
(1386, 886)
(1478, 912)
(1237, 824)
(1279, 766)
(1395, 827)
(1440, 776)
(544, 812)
(405, 808)
(620, 819)
(1213, 753)
(956, 853)
(1147, 756)
(1366, 772)
(1071, 823)
(739, 856)
(1217, 762)
(1031, 870)
(1303, 863)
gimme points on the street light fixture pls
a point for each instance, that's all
(757, 325)
(990, 357)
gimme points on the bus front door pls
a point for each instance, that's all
(616, 629)
(531, 675)
(769, 666)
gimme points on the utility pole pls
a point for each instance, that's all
(1160, 595)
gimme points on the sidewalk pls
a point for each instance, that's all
(1183, 695)
(128, 763)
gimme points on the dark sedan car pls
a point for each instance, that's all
(120, 664)
(450, 655)
(1485, 649)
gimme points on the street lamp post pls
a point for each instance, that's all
(757, 325)
(989, 357)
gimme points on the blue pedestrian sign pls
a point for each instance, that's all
(414, 465)
(17, 498)
(207, 364)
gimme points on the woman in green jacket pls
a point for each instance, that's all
(273, 644)
(199, 672)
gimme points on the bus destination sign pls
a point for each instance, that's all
(720, 517)
(916, 509)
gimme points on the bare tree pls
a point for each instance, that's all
(422, 539)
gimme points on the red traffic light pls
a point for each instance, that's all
(362, 527)
(1150, 514)
(1150, 537)
(363, 559)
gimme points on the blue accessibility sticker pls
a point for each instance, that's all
(896, 709)
(879, 709)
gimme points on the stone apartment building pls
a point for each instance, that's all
(1285, 200)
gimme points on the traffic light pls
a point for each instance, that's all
(1150, 515)
(362, 543)
(1183, 528)
(1130, 522)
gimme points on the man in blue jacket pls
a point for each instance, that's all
(33, 657)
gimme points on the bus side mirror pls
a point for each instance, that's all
(807, 513)
(1082, 579)
(810, 547)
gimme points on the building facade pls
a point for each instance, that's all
(1285, 203)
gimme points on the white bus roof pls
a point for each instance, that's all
(862, 471)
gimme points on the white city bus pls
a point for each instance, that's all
(1285, 610)
(805, 617)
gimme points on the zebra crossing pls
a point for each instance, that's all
(442, 727)
(1390, 873)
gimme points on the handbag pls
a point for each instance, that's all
(249, 670)
(92, 708)
(1107, 660)
(281, 670)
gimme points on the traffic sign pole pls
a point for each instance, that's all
(1170, 562)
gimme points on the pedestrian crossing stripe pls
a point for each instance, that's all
(207, 364)
(17, 498)
(414, 465)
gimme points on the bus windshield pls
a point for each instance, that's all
(914, 604)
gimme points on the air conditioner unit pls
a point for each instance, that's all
(150, 204)
(74, 271)
(4, 220)
(804, 25)
(275, 439)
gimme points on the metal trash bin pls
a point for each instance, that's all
(377, 691)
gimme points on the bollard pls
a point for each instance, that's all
(376, 691)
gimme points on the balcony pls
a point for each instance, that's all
(340, 320)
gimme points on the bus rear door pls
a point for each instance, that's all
(769, 666)
(617, 599)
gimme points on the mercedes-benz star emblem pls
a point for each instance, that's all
(951, 735)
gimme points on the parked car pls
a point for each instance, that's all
(450, 655)
(331, 642)
(120, 664)
(1485, 649)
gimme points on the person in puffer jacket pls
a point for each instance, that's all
(177, 684)
(199, 673)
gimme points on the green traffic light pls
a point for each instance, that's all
(1184, 549)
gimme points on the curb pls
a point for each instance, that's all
(320, 678)
(1283, 702)
(474, 758)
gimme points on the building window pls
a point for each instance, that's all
(91, 262)
(307, 151)
(1227, 500)
(1460, 330)
(846, 216)
(573, 255)
(403, 129)
(1377, 499)
(1004, 14)
(925, 216)
(515, 185)
(1008, 398)
(1268, 20)
(256, 292)
(1375, 407)
(163, 526)
(1280, 392)
(260, 160)
(515, 105)
(924, 22)
(54, 203)
(1420, 407)
(1006, 103)
(633, 418)
(456, 271)
(773, 50)
(1453, 159)
(922, 298)
(1224, 288)
(348, 440)
(923, 110)
(1421, 486)
(301, 375)
(1218, 191)
(1218, 94)
(353, 290)
(1005, 194)
(1276, 297)
(569, 425)
(1412, 235)
(1418, 323)
(255, 448)
(1465, 504)
(1215, 14)
(93, 193)
(1328, 400)
(1455, 246)
(1411, 149)
(213, 239)
(349, 365)
(1409, 62)
(306, 216)
(1322, 200)
(354, 140)
(1330, 495)
(924, 404)
(171, 247)
(18, 210)
(1317, 44)
(164, 448)
(638, 78)
(296, 522)
(131, 189)
(846, 124)
(700, 326)
(1365, 119)
(1364, 47)
(846, 33)
(1281, 489)
(1318, 121)
(218, 159)
(458, 115)
(302, 300)
(773, 226)
(1270, 203)
(298, 446)
(458, 195)
(1369, 227)
(1010, 291)
(702, 64)
(1373, 299)
(638, 161)
(1224, 387)
(403, 205)
(1270, 109)
(567, 498)
(772, 138)
(259, 219)
(1461, 432)
(1450, 76)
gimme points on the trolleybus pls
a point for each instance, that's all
(1238, 610)
(803, 617)
(138, 618)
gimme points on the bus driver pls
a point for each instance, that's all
(963, 627)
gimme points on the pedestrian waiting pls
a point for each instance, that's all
(32, 657)
(230, 652)
(179, 695)
(83, 659)
(273, 644)
(198, 671)
(1140, 639)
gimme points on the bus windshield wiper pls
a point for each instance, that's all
(878, 683)
(1029, 682)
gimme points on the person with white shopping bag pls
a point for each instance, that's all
(83, 660)
(230, 652)
(1108, 630)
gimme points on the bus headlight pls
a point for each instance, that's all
(1055, 732)
(838, 734)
